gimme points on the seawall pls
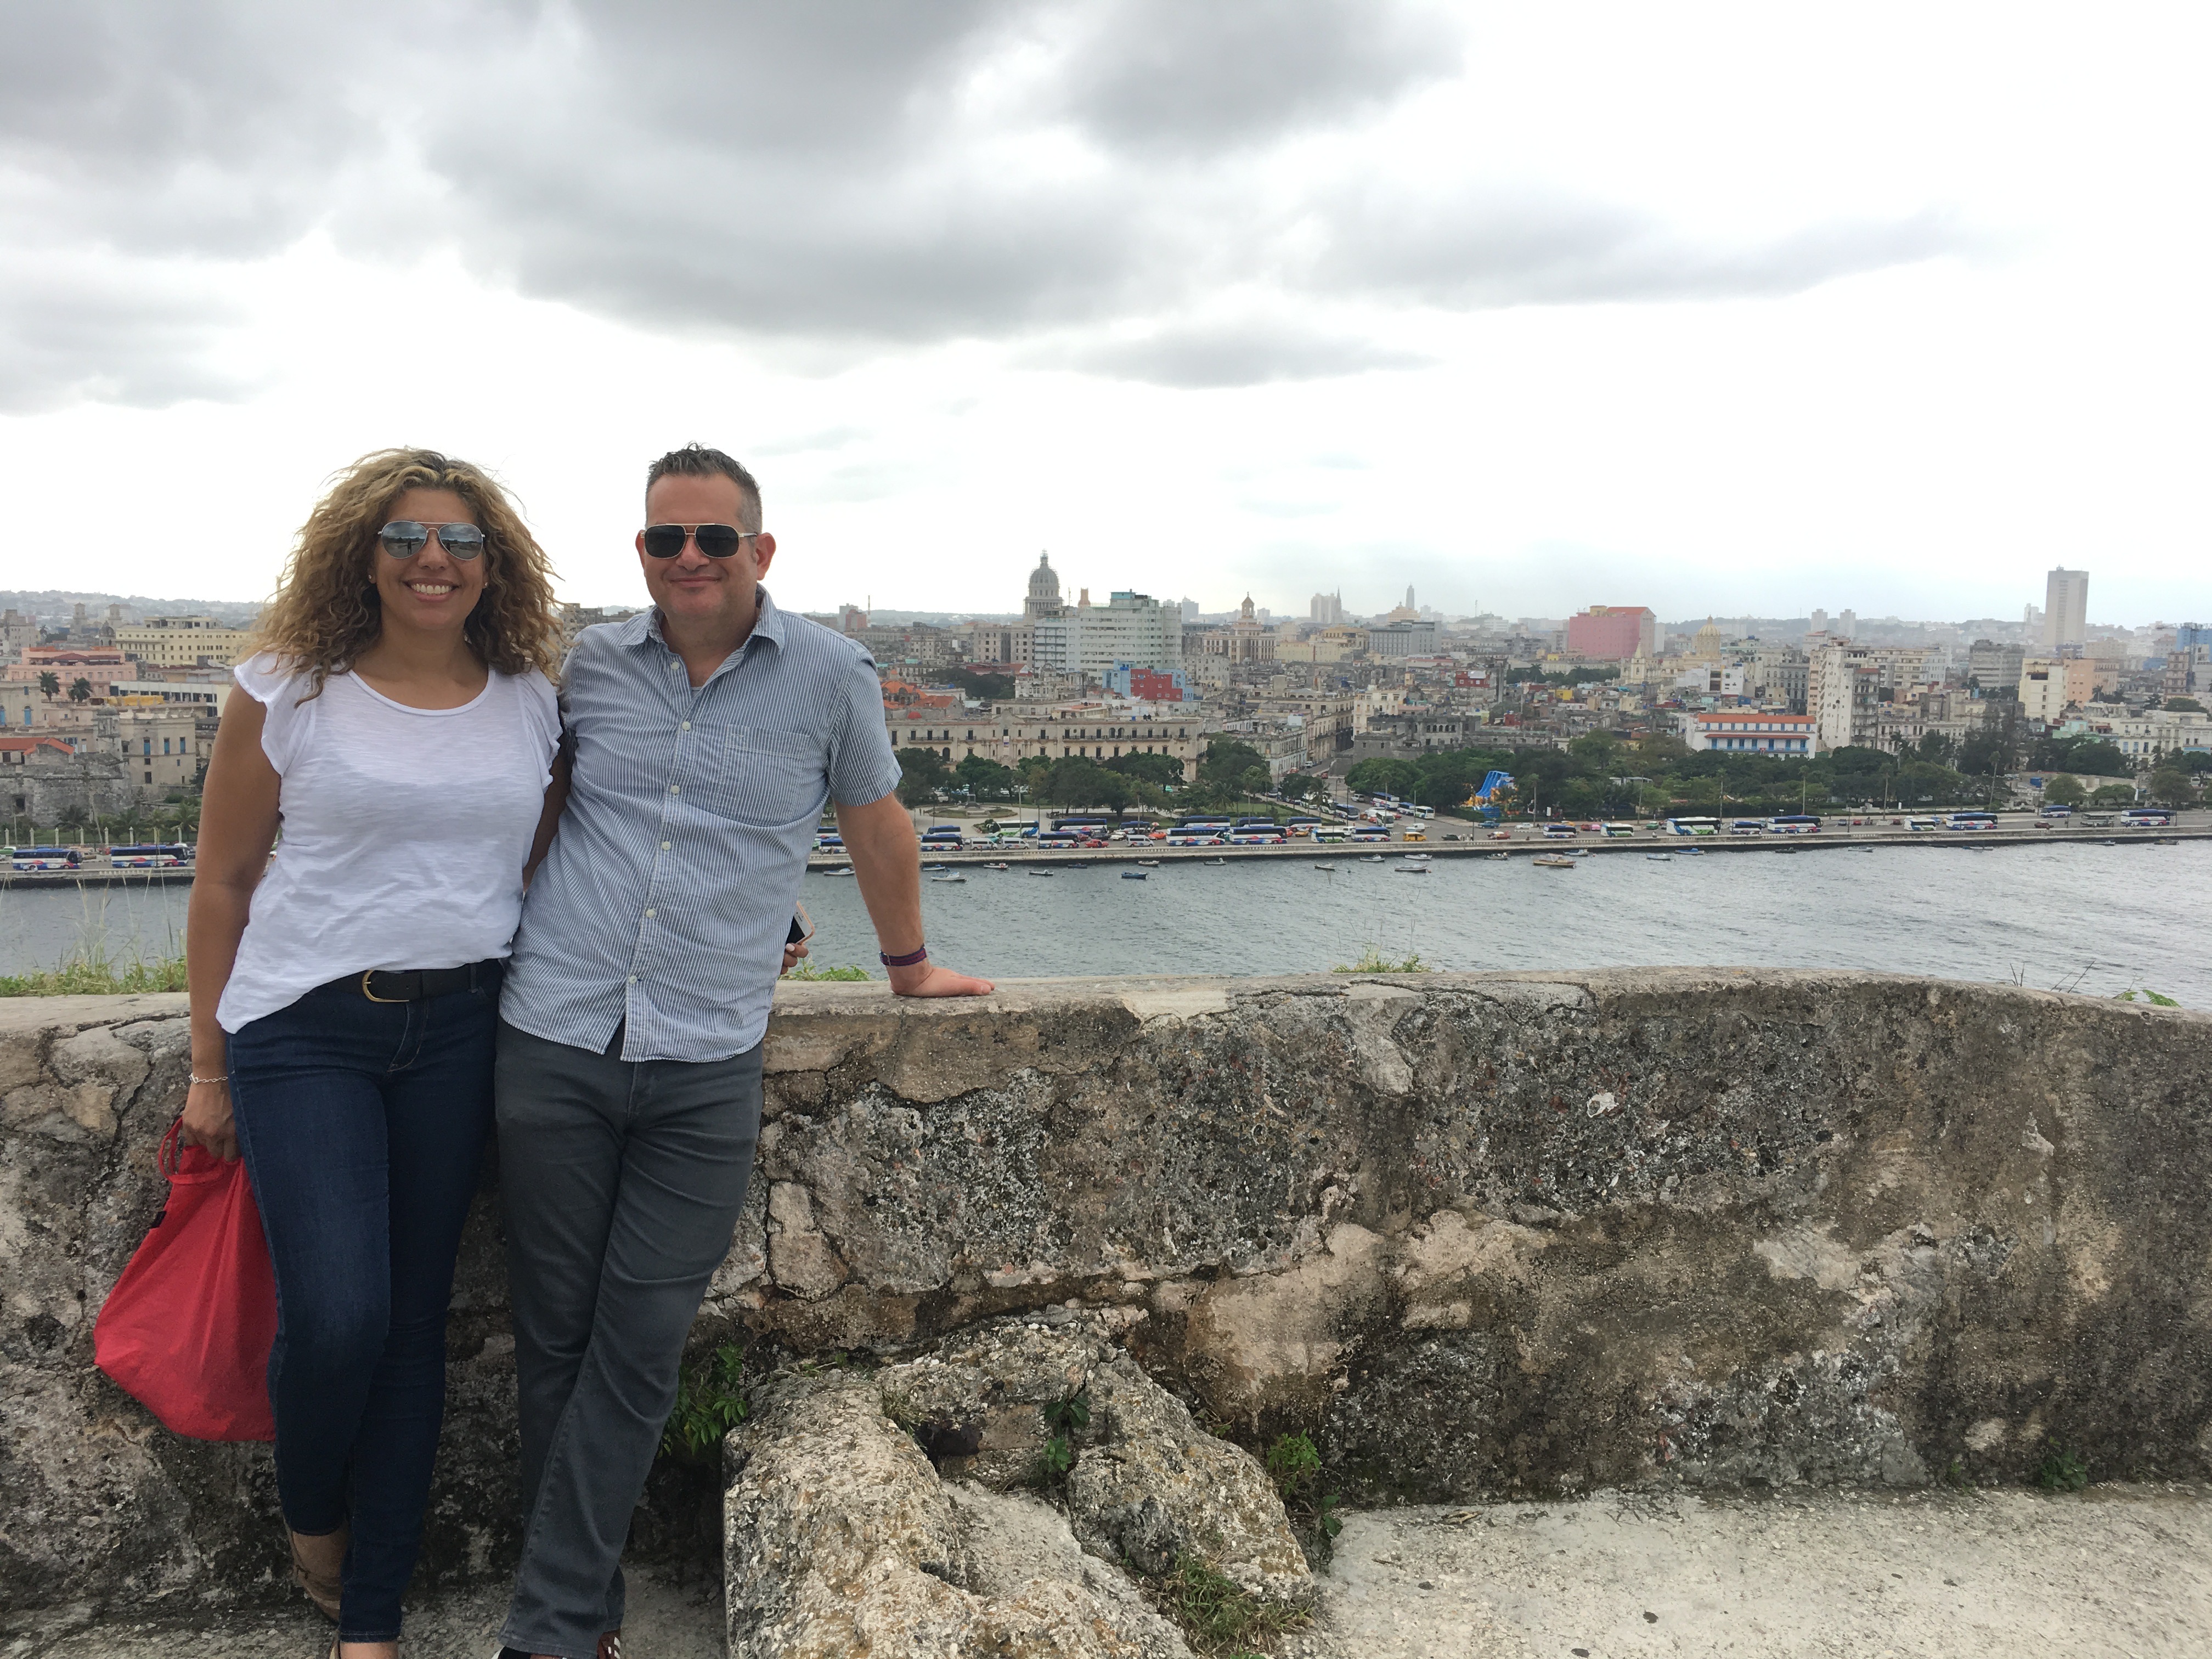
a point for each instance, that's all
(1484, 1234)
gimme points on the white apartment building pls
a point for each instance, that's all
(2152, 734)
(1090, 639)
(1749, 731)
(1841, 695)
(182, 641)
(2065, 609)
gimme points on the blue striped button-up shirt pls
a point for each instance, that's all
(664, 904)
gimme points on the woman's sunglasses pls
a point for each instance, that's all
(404, 538)
(716, 541)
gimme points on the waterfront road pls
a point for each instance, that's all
(1442, 842)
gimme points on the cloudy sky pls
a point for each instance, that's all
(1729, 308)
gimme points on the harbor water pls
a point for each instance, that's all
(2073, 916)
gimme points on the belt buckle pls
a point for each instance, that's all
(372, 996)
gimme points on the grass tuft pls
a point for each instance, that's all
(1222, 1619)
(93, 975)
(1372, 960)
(808, 970)
(711, 1398)
(2062, 1470)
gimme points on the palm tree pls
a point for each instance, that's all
(50, 685)
(80, 690)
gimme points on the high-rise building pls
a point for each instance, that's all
(1131, 629)
(1327, 609)
(2065, 609)
(1614, 633)
(1847, 624)
(1818, 623)
(1410, 605)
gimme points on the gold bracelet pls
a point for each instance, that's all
(197, 1077)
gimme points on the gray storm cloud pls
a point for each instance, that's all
(1074, 179)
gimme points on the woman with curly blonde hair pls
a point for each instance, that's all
(399, 723)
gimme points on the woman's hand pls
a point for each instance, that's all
(207, 1121)
(791, 953)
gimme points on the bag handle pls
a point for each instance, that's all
(170, 1159)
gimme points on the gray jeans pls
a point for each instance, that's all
(621, 1183)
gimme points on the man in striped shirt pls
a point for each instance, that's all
(705, 736)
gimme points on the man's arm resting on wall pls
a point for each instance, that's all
(887, 860)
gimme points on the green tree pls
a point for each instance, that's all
(80, 690)
(1075, 781)
(1379, 774)
(986, 688)
(1161, 771)
(985, 780)
(1229, 762)
(923, 776)
(50, 685)
(2064, 790)
(1305, 786)
(2170, 786)
(2113, 794)
(2184, 706)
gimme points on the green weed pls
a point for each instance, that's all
(2151, 997)
(711, 1399)
(807, 970)
(1063, 1418)
(2062, 1470)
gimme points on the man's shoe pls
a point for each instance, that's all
(609, 1646)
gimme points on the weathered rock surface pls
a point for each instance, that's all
(840, 1537)
(1478, 1235)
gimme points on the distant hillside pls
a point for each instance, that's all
(54, 606)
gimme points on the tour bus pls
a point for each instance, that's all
(1301, 826)
(1923, 824)
(1194, 836)
(1616, 830)
(1253, 822)
(1330, 834)
(1256, 836)
(30, 859)
(1749, 826)
(1794, 824)
(149, 855)
(1369, 833)
(1210, 826)
(1084, 826)
(1053, 839)
(1693, 826)
(1970, 821)
(2054, 812)
(2145, 817)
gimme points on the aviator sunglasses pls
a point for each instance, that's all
(404, 538)
(716, 541)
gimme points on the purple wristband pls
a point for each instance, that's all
(906, 961)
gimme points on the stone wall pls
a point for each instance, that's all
(1479, 1234)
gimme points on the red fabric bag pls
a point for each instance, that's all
(187, 1329)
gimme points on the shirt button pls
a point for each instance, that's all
(687, 726)
(649, 914)
(664, 846)
(672, 663)
(675, 789)
(633, 979)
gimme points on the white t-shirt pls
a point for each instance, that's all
(405, 831)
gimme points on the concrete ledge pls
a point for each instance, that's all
(1480, 1235)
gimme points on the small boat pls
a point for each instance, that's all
(1374, 858)
(1500, 858)
(1413, 869)
(1035, 871)
(2112, 843)
(1133, 875)
(932, 869)
(839, 870)
(1326, 869)
(1660, 858)
(1077, 864)
(948, 877)
(1414, 857)
(1786, 849)
(998, 867)
(1553, 861)
(1693, 852)
(1148, 863)
(1213, 860)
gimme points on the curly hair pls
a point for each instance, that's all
(325, 611)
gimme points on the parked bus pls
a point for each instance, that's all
(32, 859)
(1970, 821)
(1795, 823)
(1693, 826)
(1195, 836)
(2145, 817)
(150, 855)
(1331, 834)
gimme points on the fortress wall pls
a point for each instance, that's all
(1479, 1234)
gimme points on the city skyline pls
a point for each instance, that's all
(1526, 309)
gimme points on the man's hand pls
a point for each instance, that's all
(926, 978)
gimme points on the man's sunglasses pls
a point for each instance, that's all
(404, 538)
(716, 541)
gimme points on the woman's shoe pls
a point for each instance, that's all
(322, 1587)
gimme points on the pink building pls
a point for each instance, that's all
(1614, 632)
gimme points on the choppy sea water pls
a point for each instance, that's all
(2071, 917)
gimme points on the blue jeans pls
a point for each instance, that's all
(362, 1125)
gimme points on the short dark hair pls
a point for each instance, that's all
(697, 461)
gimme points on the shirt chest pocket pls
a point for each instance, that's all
(756, 775)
